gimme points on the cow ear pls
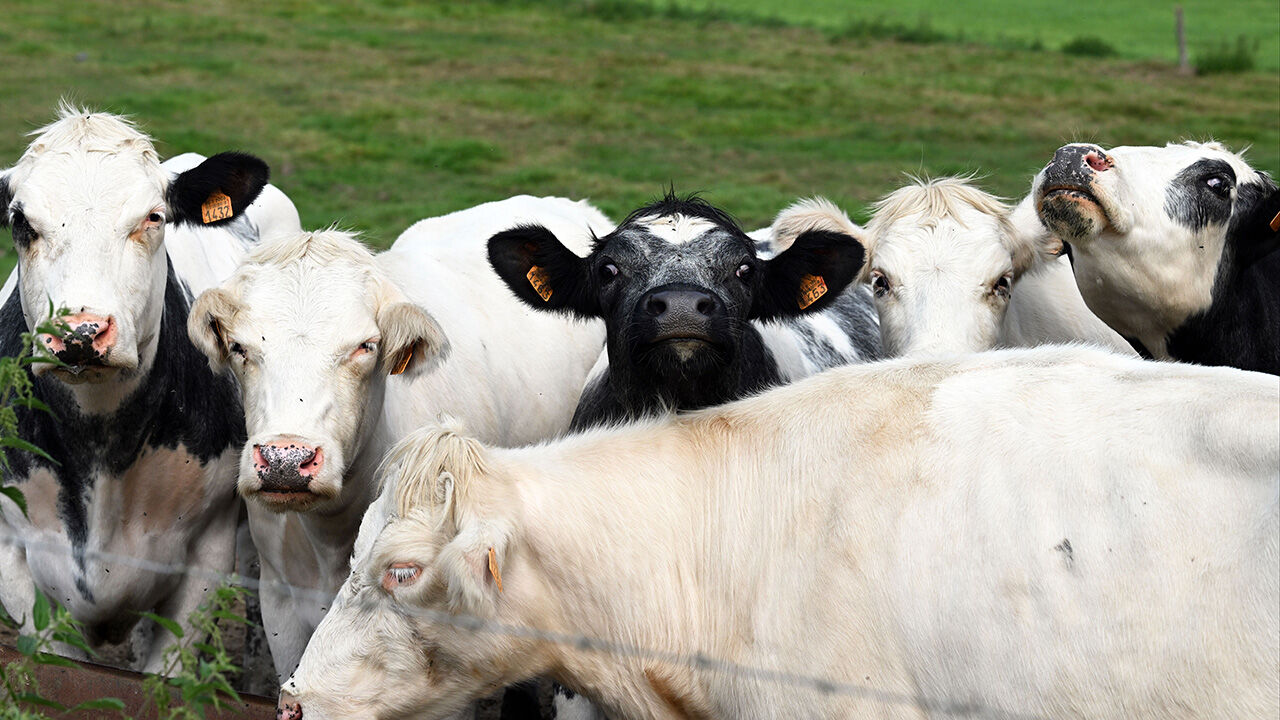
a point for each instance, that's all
(541, 271)
(1260, 234)
(217, 190)
(471, 565)
(6, 197)
(807, 276)
(206, 325)
(412, 341)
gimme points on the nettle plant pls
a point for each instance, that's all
(197, 675)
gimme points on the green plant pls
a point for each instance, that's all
(1088, 46)
(197, 673)
(1227, 57)
(922, 33)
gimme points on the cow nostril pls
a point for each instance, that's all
(1098, 161)
(656, 306)
(705, 306)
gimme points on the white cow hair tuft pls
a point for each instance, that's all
(89, 130)
(321, 247)
(815, 213)
(433, 467)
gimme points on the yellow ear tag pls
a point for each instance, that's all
(493, 568)
(540, 281)
(404, 362)
(812, 287)
(217, 207)
(1275, 223)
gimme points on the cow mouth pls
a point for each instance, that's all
(1070, 192)
(90, 371)
(283, 500)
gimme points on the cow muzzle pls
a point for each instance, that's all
(288, 707)
(1067, 196)
(286, 468)
(84, 347)
(680, 317)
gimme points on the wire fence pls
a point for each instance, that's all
(474, 624)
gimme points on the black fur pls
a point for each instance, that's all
(6, 197)
(513, 252)
(834, 256)
(237, 175)
(1241, 327)
(180, 402)
(1191, 202)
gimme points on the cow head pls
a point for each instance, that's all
(942, 264)
(400, 640)
(675, 283)
(310, 327)
(88, 204)
(1156, 231)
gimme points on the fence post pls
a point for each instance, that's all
(1184, 66)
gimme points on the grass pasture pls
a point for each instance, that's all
(377, 114)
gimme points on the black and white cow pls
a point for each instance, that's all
(146, 439)
(694, 315)
(1174, 247)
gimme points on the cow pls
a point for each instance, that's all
(694, 317)
(143, 437)
(340, 352)
(954, 269)
(1174, 247)
(1002, 534)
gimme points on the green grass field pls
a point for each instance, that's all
(1139, 29)
(377, 115)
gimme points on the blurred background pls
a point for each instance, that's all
(375, 114)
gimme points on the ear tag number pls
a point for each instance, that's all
(1275, 223)
(812, 287)
(404, 362)
(493, 566)
(217, 207)
(540, 281)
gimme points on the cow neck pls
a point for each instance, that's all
(179, 401)
(1241, 327)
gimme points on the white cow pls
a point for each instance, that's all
(144, 436)
(1176, 247)
(954, 270)
(313, 324)
(1055, 532)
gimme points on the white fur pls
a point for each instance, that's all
(676, 229)
(86, 183)
(942, 245)
(898, 529)
(1141, 271)
(302, 306)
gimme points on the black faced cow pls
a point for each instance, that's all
(677, 284)
(1174, 247)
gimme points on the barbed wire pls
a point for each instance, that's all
(475, 624)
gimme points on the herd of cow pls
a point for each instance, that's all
(797, 450)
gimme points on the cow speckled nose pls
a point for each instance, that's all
(286, 465)
(288, 708)
(88, 337)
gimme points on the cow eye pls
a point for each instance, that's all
(1001, 288)
(744, 272)
(608, 271)
(156, 218)
(23, 233)
(1219, 185)
(401, 574)
(238, 349)
(880, 284)
(369, 346)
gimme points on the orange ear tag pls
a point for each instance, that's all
(404, 362)
(1275, 223)
(493, 568)
(217, 207)
(540, 281)
(812, 287)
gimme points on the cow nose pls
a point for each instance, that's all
(288, 707)
(88, 337)
(1078, 156)
(287, 464)
(693, 303)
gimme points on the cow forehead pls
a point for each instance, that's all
(1163, 164)
(323, 303)
(689, 240)
(88, 188)
(961, 247)
(677, 229)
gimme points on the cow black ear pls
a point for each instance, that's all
(218, 189)
(1259, 235)
(541, 271)
(807, 276)
(6, 197)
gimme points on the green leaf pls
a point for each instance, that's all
(40, 612)
(36, 699)
(100, 704)
(19, 444)
(27, 645)
(164, 622)
(16, 496)
(33, 404)
(73, 637)
(230, 616)
(51, 659)
(7, 619)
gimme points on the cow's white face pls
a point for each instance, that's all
(400, 640)
(1147, 227)
(310, 329)
(942, 265)
(87, 205)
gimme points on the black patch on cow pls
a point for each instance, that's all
(239, 176)
(513, 253)
(1241, 326)
(179, 402)
(833, 256)
(1139, 348)
(20, 227)
(6, 197)
(1200, 195)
